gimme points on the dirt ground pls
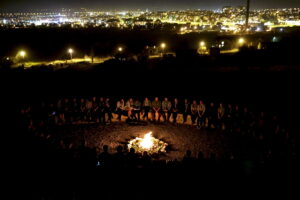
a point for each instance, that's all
(179, 137)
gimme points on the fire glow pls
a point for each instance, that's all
(148, 143)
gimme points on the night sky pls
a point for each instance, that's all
(141, 4)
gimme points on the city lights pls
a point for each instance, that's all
(230, 19)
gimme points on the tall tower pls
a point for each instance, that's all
(247, 14)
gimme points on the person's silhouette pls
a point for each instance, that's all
(132, 158)
(119, 157)
(105, 158)
(146, 159)
(187, 160)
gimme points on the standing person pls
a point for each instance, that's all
(120, 110)
(212, 115)
(194, 112)
(146, 108)
(75, 110)
(108, 110)
(166, 107)
(137, 109)
(246, 120)
(129, 108)
(83, 110)
(156, 109)
(175, 110)
(101, 111)
(95, 109)
(51, 111)
(229, 118)
(236, 117)
(105, 158)
(201, 114)
(89, 106)
(60, 111)
(67, 110)
(132, 158)
(221, 113)
(59, 106)
(186, 110)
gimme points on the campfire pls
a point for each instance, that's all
(148, 143)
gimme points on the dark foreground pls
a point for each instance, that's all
(270, 91)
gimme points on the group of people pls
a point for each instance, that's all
(265, 131)
(50, 152)
(102, 110)
(168, 110)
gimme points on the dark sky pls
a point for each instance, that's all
(142, 4)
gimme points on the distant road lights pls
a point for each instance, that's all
(71, 51)
(222, 43)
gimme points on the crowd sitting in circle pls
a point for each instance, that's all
(101, 110)
(267, 130)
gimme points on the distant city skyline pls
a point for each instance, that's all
(23, 5)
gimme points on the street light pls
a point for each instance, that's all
(202, 49)
(120, 49)
(202, 44)
(22, 54)
(163, 46)
(70, 51)
(21, 57)
(241, 41)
